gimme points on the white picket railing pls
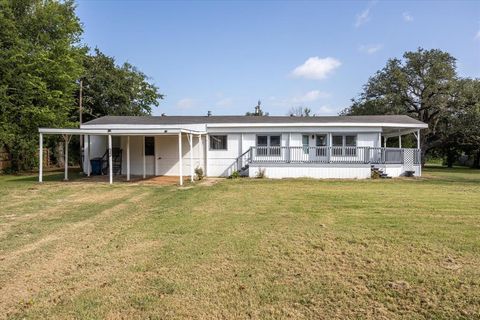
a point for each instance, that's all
(331, 155)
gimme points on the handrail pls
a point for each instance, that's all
(333, 155)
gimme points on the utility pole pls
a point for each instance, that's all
(80, 110)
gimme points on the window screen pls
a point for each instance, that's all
(149, 146)
(350, 141)
(274, 141)
(262, 141)
(337, 141)
(218, 142)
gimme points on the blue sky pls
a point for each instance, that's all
(224, 56)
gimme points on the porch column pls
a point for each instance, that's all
(207, 147)
(385, 142)
(143, 157)
(110, 162)
(128, 158)
(88, 156)
(418, 139)
(329, 144)
(399, 141)
(40, 159)
(65, 138)
(190, 141)
(180, 156)
(199, 148)
(379, 140)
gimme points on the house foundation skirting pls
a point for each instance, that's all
(327, 171)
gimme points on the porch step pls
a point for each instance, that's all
(244, 171)
(379, 172)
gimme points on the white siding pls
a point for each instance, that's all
(221, 162)
(317, 172)
(367, 140)
(166, 147)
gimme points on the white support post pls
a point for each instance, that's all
(128, 158)
(65, 138)
(40, 158)
(418, 139)
(385, 142)
(143, 157)
(88, 156)
(379, 140)
(419, 153)
(399, 141)
(199, 150)
(207, 147)
(110, 160)
(180, 158)
(190, 141)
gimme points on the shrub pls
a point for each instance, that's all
(199, 173)
(235, 175)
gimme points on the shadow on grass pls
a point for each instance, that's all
(49, 176)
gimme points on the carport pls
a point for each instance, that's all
(67, 133)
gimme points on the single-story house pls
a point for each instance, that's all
(279, 146)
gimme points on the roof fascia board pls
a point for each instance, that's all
(318, 124)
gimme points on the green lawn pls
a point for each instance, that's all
(378, 249)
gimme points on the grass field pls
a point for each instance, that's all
(242, 249)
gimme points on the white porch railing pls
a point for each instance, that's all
(331, 155)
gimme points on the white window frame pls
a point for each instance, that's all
(344, 144)
(268, 146)
(218, 135)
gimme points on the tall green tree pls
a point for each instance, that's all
(109, 89)
(458, 129)
(40, 62)
(420, 85)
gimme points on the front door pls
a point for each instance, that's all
(149, 156)
(320, 144)
(167, 155)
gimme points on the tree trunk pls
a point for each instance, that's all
(59, 153)
(450, 158)
(476, 160)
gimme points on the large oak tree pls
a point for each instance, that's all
(420, 85)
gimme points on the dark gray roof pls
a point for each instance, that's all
(162, 120)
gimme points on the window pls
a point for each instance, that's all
(351, 141)
(341, 142)
(149, 146)
(305, 143)
(321, 143)
(268, 145)
(218, 142)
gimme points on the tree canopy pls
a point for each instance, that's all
(41, 63)
(424, 85)
(109, 89)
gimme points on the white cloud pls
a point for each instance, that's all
(370, 48)
(185, 103)
(310, 96)
(477, 36)
(225, 102)
(316, 68)
(407, 17)
(362, 18)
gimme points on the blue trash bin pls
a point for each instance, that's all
(96, 165)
